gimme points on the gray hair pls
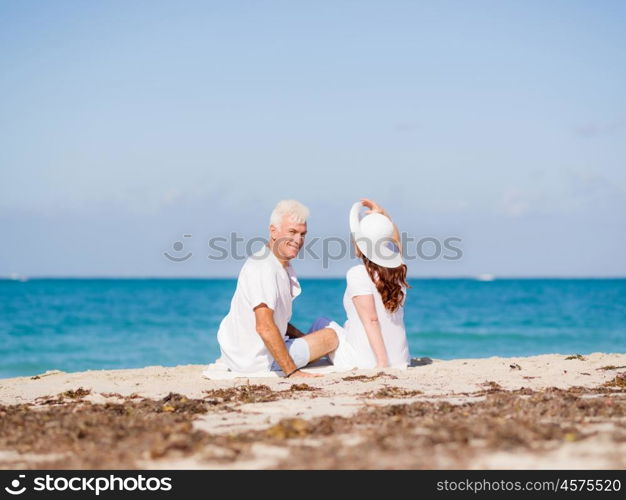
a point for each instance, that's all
(296, 211)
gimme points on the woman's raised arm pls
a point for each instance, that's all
(376, 208)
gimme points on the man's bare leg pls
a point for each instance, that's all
(321, 343)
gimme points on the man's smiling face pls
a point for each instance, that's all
(288, 238)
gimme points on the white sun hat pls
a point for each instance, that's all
(373, 234)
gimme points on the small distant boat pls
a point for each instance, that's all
(485, 277)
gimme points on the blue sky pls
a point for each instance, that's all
(124, 125)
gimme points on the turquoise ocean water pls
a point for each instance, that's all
(80, 324)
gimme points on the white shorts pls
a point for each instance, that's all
(299, 352)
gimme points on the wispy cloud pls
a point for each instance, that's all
(589, 130)
(576, 189)
(516, 203)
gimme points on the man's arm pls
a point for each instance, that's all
(273, 340)
(293, 332)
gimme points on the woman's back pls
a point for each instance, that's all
(391, 323)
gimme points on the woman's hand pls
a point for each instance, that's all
(374, 207)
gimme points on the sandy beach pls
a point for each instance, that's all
(555, 411)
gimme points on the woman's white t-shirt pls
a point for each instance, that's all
(359, 352)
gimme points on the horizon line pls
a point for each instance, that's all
(478, 277)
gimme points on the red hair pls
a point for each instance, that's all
(389, 283)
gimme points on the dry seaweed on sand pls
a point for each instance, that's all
(111, 435)
(392, 392)
(579, 357)
(303, 388)
(178, 403)
(73, 394)
(490, 386)
(46, 374)
(249, 393)
(610, 367)
(416, 435)
(134, 395)
(619, 381)
(288, 428)
(367, 378)
(122, 435)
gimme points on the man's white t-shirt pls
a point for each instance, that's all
(391, 324)
(262, 279)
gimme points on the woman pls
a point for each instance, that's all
(374, 335)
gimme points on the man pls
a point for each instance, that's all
(256, 334)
